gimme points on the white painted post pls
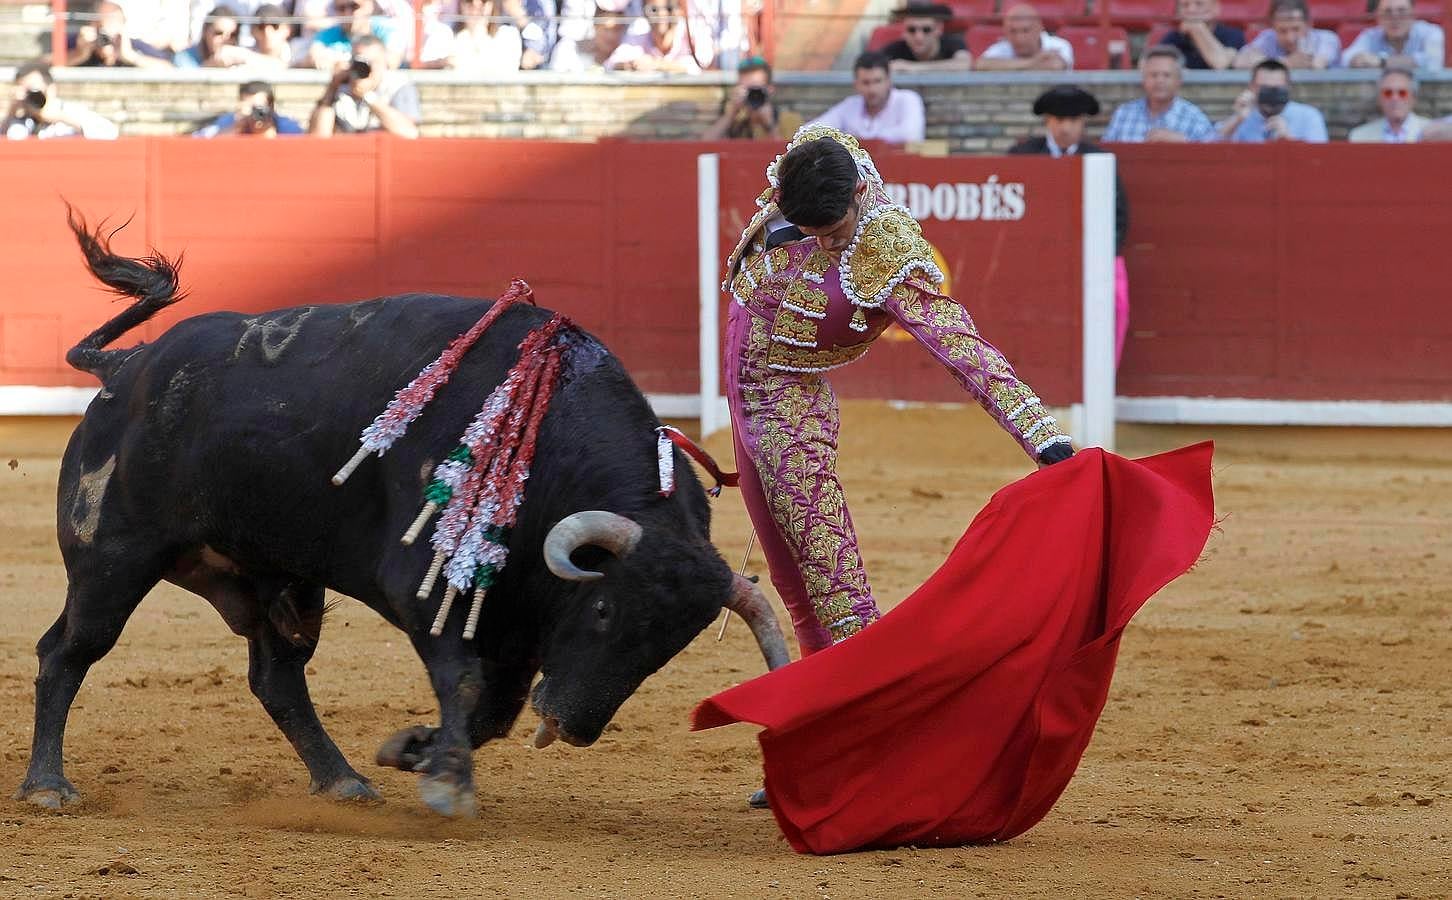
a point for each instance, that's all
(708, 241)
(1098, 327)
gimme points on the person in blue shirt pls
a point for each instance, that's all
(1265, 112)
(255, 116)
(332, 47)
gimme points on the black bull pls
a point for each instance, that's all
(206, 459)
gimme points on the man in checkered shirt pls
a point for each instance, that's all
(1163, 115)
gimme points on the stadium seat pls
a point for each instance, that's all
(1429, 10)
(1098, 48)
(981, 37)
(1156, 37)
(1057, 12)
(1140, 15)
(883, 35)
(1348, 31)
(1329, 13)
(967, 13)
(1242, 12)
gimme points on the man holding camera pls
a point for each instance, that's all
(365, 95)
(1265, 111)
(35, 110)
(748, 112)
(255, 116)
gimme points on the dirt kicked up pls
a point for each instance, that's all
(1279, 724)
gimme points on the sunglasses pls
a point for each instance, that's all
(919, 29)
(654, 10)
(225, 35)
(346, 7)
(1398, 93)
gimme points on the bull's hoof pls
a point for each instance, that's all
(351, 789)
(447, 797)
(48, 792)
(405, 749)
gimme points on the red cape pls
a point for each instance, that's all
(961, 715)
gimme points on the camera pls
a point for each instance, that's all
(104, 40)
(35, 100)
(359, 69)
(260, 118)
(756, 97)
(1272, 99)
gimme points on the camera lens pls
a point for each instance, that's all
(35, 99)
(103, 39)
(359, 68)
(756, 97)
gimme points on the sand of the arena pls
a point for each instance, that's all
(1278, 726)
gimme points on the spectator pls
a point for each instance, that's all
(332, 46)
(1398, 33)
(590, 32)
(1292, 40)
(366, 94)
(1025, 44)
(162, 25)
(749, 111)
(485, 42)
(272, 42)
(923, 46)
(1205, 42)
(255, 116)
(1396, 95)
(109, 43)
(438, 38)
(1265, 112)
(218, 47)
(1066, 110)
(723, 23)
(878, 111)
(199, 12)
(538, 24)
(1162, 115)
(666, 45)
(36, 111)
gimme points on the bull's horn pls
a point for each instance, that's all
(748, 602)
(606, 530)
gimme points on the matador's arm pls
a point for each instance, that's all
(943, 326)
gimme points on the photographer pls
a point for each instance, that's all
(748, 112)
(365, 94)
(255, 116)
(35, 110)
(1266, 112)
(108, 42)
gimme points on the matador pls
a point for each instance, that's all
(826, 264)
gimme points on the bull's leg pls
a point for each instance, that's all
(505, 690)
(276, 672)
(457, 676)
(105, 588)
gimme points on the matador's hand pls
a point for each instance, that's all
(1055, 453)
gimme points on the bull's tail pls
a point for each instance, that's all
(151, 281)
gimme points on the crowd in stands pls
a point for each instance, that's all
(365, 45)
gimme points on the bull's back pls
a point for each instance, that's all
(227, 429)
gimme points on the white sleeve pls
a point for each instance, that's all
(998, 50)
(1063, 48)
(834, 116)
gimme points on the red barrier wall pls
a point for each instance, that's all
(1272, 272)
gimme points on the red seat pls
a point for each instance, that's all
(1156, 37)
(1098, 48)
(1429, 10)
(883, 35)
(1242, 12)
(1056, 12)
(1326, 13)
(981, 37)
(1349, 31)
(1141, 14)
(967, 13)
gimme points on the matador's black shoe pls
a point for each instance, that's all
(758, 800)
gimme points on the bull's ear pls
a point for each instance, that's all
(595, 527)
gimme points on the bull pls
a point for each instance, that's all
(205, 461)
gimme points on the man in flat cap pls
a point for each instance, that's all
(1066, 110)
(924, 47)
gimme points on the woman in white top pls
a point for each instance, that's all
(485, 42)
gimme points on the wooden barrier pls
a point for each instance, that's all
(1265, 272)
